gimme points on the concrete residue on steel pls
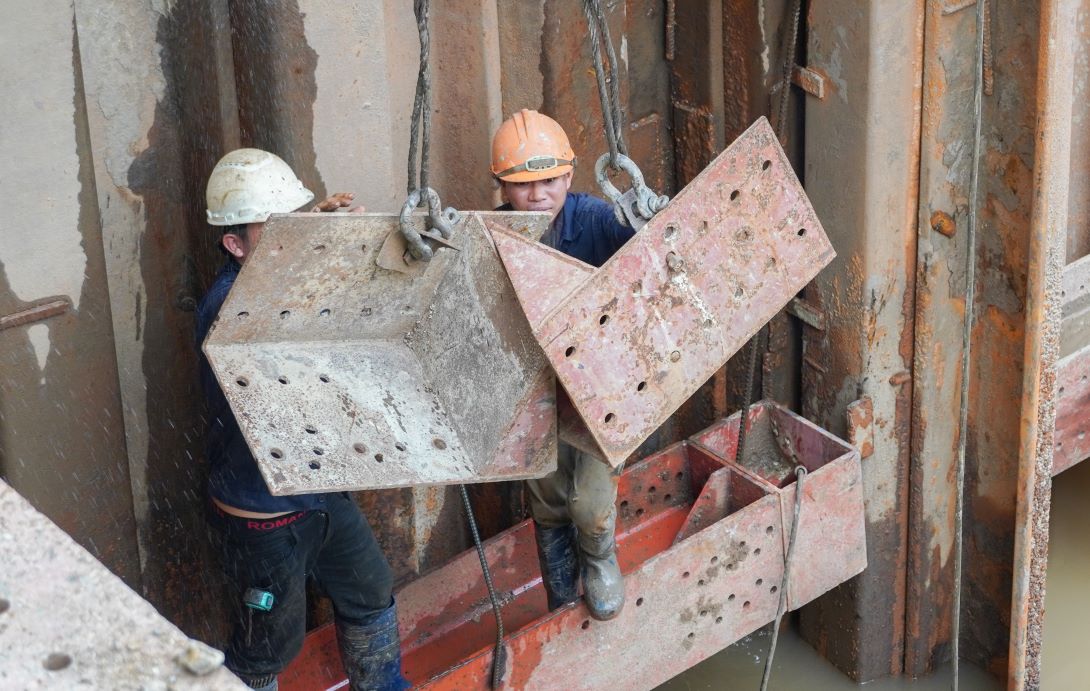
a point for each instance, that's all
(66, 622)
(345, 375)
(634, 339)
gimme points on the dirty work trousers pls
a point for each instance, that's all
(583, 491)
(335, 545)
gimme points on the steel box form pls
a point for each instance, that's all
(631, 341)
(701, 543)
(344, 375)
(832, 533)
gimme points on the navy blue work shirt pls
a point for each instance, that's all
(585, 229)
(233, 475)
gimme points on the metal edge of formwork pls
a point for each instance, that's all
(1072, 440)
(1043, 318)
(542, 649)
(66, 621)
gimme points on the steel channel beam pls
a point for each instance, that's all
(1043, 312)
(947, 130)
(701, 542)
(1003, 381)
(861, 154)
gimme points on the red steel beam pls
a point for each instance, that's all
(702, 545)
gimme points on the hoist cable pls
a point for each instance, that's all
(499, 656)
(800, 473)
(756, 354)
(420, 125)
(418, 192)
(608, 85)
(967, 340)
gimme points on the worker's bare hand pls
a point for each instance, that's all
(338, 201)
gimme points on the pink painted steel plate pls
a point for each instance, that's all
(631, 341)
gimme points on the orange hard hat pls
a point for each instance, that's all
(530, 146)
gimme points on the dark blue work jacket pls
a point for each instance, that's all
(233, 475)
(585, 229)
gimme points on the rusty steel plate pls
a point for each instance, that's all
(66, 622)
(344, 375)
(631, 341)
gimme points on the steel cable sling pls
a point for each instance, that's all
(443, 221)
(640, 204)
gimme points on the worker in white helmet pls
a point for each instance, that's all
(269, 545)
(573, 508)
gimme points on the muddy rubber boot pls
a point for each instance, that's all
(371, 653)
(603, 585)
(265, 682)
(559, 566)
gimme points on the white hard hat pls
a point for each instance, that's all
(247, 185)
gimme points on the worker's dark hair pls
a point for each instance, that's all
(238, 229)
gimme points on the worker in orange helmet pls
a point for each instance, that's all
(574, 508)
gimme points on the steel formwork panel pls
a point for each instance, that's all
(701, 543)
(67, 622)
(631, 341)
(344, 375)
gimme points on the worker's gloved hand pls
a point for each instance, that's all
(336, 202)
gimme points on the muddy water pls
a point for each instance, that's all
(1066, 663)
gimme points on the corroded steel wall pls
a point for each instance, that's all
(128, 105)
(861, 172)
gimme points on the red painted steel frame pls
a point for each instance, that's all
(701, 544)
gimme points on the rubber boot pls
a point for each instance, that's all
(263, 683)
(559, 567)
(371, 653)
(603, 585)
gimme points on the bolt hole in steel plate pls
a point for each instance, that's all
(426, 377)
(659, 332)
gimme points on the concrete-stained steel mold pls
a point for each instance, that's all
(345, 375)
(66, 622)
(634, 339)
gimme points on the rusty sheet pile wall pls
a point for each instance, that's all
(114, 114)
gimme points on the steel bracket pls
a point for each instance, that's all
(35, 313)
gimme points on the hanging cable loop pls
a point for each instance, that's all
(781, 608)
(640, 204)
(439, 219)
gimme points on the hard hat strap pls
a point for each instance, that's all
(536, 164)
